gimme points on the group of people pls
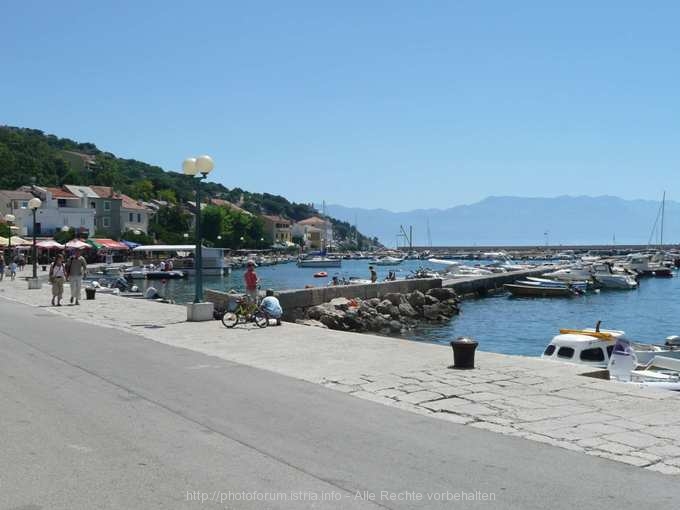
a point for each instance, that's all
(270, 304)
(10, 269)
(71, 271)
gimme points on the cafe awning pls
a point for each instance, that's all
(110, 244)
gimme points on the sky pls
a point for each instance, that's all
(378, 104)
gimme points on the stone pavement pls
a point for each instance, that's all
(521, 396)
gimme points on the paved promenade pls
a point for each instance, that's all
(512, 395)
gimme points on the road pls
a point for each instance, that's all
(95, 418)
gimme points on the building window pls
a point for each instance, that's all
(61, 202)
(106, 222)
(131, 217)
(93, 205)
(107, 205)
(24, 204)
(139, 218)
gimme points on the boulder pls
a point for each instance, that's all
(373, 302)
(430, 300)
(407, 310)
(395, 326)
(431, 312)
(393, 297)
(416, 299)
(442, 293)
(340, 303)
(316, 312)
(385, 306)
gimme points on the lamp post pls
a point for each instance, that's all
(202, 165)
(34, 204)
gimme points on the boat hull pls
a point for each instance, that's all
(538, 291)
(320, 263)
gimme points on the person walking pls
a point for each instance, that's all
(75, 270)
(12, 270)
(57, 277)
(2, 266)
(251, 280)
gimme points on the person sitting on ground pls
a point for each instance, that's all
(374, 275)
(251, 280)
(272, 307)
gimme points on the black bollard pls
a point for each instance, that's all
(464, 352)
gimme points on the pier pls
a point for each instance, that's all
(479, 286)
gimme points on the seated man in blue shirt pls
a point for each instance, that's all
(272, 306)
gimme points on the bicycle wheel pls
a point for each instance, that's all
(261, 319)
(230, 319)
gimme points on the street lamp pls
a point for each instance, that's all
(34, 204)
(202, 165)
(9, 218)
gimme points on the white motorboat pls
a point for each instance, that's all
(319, 262)
(574, 273)
(386, 261)
(545, 282)
(594, 347)
(603, 274)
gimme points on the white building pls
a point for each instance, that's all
(60, 208)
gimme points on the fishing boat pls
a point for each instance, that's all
(594, 347)
(144, 273)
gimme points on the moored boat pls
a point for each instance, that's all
(529, 290)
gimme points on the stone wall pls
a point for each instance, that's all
(296, 302)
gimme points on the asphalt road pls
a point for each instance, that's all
(92, 417)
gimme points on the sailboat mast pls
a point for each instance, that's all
(663, 211)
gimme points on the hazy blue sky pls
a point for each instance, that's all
(390, 104)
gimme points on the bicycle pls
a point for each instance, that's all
(246, 310)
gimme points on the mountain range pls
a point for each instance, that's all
(509, 221)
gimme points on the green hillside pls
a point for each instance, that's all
(29, 156)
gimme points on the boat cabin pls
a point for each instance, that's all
(583, 349)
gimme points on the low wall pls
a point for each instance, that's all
(296, 302)
(481, 285)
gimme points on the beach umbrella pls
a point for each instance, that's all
(130, 244)
(49, 245)
(94, 244)
(77, 244)
(4, 241)
(18, 241)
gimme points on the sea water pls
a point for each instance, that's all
(500, 323)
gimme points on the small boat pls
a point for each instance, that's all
(152, 274)
(607, 278)
(534, 280)
(321, 274)
(386, 261)
(319, 262)
(660, 372)
(529, 290)
(594, 347)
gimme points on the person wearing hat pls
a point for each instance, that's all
(272, 307)
(251, 280)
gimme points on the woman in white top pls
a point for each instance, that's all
(57, 277)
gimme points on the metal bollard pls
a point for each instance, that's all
(464, 352)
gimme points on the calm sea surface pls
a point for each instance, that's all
(499, 323)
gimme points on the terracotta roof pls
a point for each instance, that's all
(60, 193)
(16, 195)
(103, 191)
(225, 203)
(314, 220)
(276, 219)
(130, 203)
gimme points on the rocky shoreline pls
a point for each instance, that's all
(392, 313)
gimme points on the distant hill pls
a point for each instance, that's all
(523, 221)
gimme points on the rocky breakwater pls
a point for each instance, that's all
(390, 313)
